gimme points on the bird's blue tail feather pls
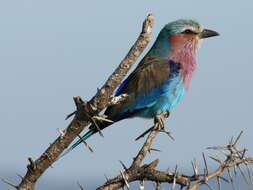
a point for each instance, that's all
(84, 137)
(91, 132)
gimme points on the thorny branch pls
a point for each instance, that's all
(87, 112)
(233, 159)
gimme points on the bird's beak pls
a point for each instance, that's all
(208, 33)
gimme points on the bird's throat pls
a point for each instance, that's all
(183, 50)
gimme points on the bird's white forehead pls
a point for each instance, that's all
(183, 24)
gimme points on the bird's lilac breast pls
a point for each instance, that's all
(184, 50)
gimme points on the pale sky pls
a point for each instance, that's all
(51, 51)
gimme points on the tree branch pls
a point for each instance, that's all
(86, 110)
(135, 172)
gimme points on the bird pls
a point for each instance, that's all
(162, 77)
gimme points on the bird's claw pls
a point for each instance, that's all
(159, 121)
(159, 124)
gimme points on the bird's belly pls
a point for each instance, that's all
(169, 96)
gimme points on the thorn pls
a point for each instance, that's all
(154, 149)
(240, 153)
(80, 186)
(62, 132)
(174, 178)
(103, 118)
(125, 179)
(107, 179)
(231, 140)
(206, 168)
(218, 181)
(224, 153)
(92, 106)
(123, 165)
(216, 158)
(243, 153)
(249, 174)
(244, 176)
(9, 183)
(217, 147)
(21, 177)
(32, 165)
(234, 169)
(141, 187)
(158, 186)
(153, 164)
(96, 125)
(195, 168)
(143, 134)
(224, 179)
(168, 171)
(168, 133)
(69, 115)
(209, 186)
(85, 143)
(239, 136)
(231, 179)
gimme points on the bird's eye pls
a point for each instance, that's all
(187, 31)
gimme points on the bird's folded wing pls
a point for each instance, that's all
(143, 86)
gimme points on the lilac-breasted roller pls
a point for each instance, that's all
(161, 78)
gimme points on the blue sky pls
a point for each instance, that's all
(51, 51)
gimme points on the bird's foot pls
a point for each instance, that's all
(159, 120)
(159, 124)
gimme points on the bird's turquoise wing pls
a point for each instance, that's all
(148, 81)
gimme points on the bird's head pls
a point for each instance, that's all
(181, 36)
(189, 30)
(186, 33)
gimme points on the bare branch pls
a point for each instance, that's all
(86, 110)
(145, 148)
